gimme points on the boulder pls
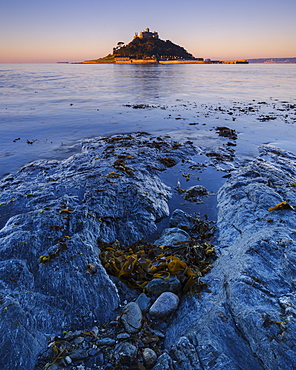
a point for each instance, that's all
(170, 237)
(53, 213)
(181, 219)
(194, 192)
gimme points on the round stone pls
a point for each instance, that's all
(159, 286)
(132, 318)
(164, 305)
(149, 357)
(125, 353)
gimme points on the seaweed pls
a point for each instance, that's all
(139, 263)
(113, 175)
(62, 246)
(218, 156)
(226, 132)
(167, 161)
(280, 206)
(119, 164)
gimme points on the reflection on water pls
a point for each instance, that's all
(52, 105)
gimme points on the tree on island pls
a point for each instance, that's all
(141, 48)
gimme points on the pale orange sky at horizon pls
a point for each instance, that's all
(74, 31)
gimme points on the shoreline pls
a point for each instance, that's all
(165, 62)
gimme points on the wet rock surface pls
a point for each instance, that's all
(51, 276)
(181, 220)
(58, 302)
(247, 318)
(172, 236)
(194, 192)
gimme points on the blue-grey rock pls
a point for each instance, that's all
(158, 286)
(247, 321)
(68, 360)
(159, 333)
(150, 357)
(123, 336)
(143, 302)
(95, 359)
(164, 305)
(57, 210)
(132, 317)
(93, 352)
(79, 340)
(181, 220)
(185, 355)
(164, 362)
(170, 237)
(78, 354)
(125, 353)
(105, 342)
(194, 192)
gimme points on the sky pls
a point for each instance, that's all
(75, 30)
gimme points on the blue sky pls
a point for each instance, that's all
(64, 30)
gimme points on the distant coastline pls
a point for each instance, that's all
(273, 60)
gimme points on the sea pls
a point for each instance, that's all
(48, 110)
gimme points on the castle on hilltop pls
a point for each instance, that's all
(146, 34)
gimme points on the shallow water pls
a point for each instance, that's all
(46, 110)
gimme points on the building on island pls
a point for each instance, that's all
(146, 34)
(128, 60)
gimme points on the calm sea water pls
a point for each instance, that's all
(47, 109)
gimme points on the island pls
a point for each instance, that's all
(147, 48)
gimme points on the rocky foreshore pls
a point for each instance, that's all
(61, 308)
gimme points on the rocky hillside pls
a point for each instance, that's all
(145, 48)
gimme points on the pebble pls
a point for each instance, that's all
(78, 340)
(125, 353)
(113, 323)
(93, 352)
(123, 336)
(159, 286)
(132, 317)
(79, 354)
(105, 342)
(69, 335)
(149, 356)
(158, 333)
(164, 305)
(143, 302)
(95, 329)
(68, 360)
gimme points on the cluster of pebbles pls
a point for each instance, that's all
(132, 341)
